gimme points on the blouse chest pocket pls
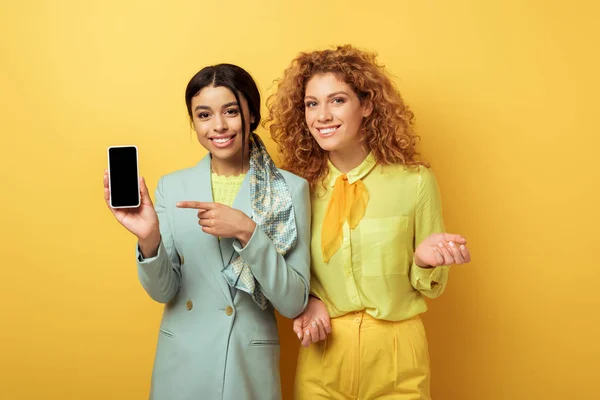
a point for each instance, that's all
(384, 245)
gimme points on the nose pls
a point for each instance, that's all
(324, 114)
(220, 124)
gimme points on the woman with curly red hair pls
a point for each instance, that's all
(378, 242)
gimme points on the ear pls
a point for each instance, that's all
(367, 108)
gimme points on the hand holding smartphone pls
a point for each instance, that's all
(127, 197)
(123, 177)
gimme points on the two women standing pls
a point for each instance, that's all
(233, 238)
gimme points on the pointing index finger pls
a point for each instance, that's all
(198, 205)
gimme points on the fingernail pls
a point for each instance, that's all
(299, 336)
(462, 247)
(452, 244)
(307, 332)
(314, 324)
(440, 244)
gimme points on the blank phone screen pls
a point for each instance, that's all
(123, 172)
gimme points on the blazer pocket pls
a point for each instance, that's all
(265, 342)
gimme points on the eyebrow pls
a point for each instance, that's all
(329, 96)
(230, 104)
(226, 105)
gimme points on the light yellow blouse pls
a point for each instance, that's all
(373, 269)
(226, 188)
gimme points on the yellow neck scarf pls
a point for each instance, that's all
(348, 203)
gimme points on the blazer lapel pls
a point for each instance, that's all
(210, 243)
(242, 203)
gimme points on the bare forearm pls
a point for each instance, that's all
(246, 232)
(149, 245)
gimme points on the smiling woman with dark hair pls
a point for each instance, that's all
(225, 245)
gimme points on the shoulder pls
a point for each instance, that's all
(179, 178)
(419, 175)
(427, 177)
(294, 182)
(175, 178)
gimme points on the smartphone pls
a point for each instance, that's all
(123, 177)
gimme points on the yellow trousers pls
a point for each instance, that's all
(366, 359)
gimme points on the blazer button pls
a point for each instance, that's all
(229, 311)
(189, 305)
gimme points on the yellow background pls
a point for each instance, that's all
(506, 97)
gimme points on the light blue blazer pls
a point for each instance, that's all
(214, 342)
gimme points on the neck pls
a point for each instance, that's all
(231, 166)
(345, 160)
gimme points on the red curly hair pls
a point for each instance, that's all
(387, 132)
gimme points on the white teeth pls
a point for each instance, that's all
(327, 130)
(224, 140)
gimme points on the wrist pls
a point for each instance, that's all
(417, 261)
(150, 234)
(149, 245)
(246, 233)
